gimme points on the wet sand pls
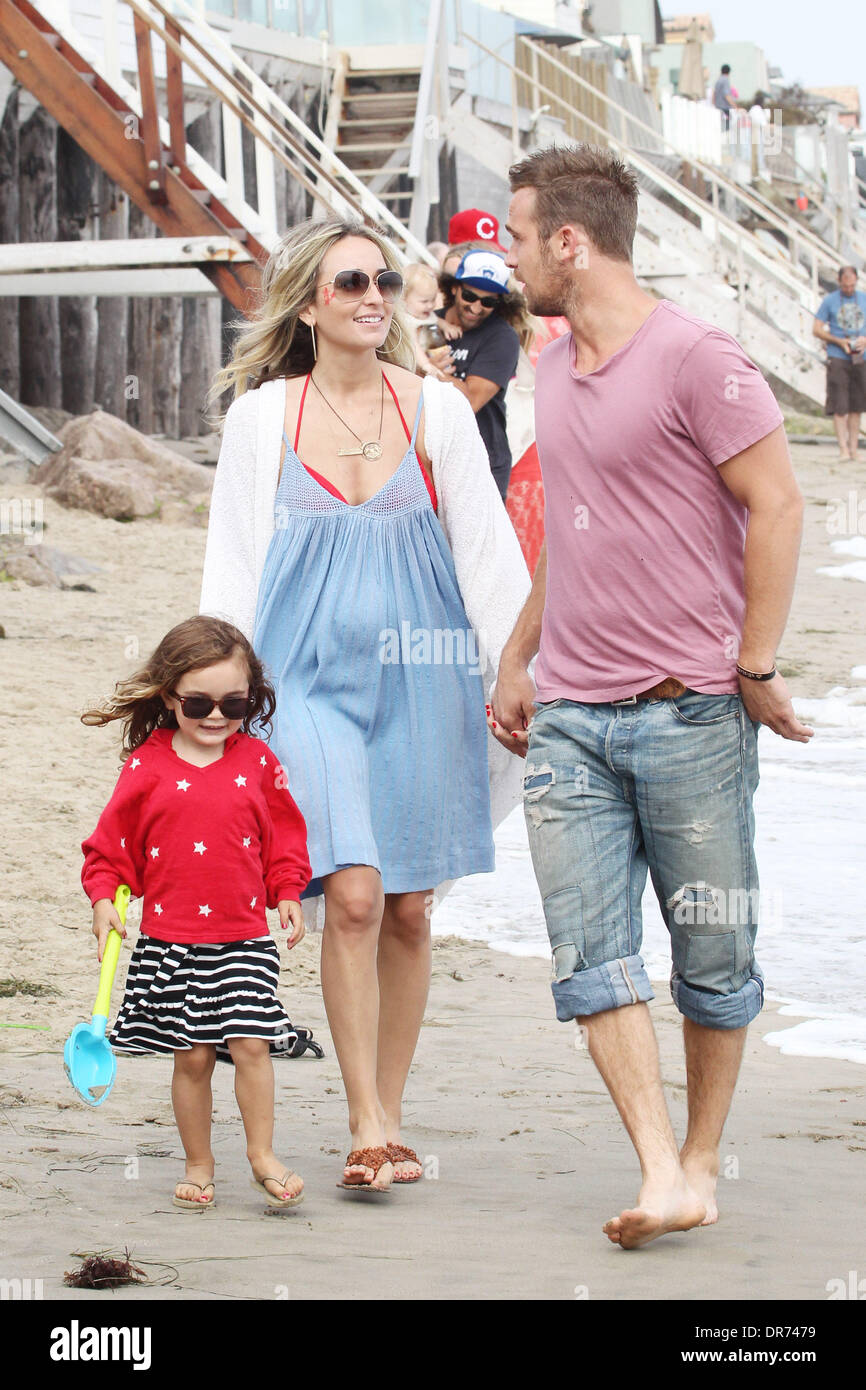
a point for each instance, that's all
(524, 1155)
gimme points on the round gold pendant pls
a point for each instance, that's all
(372, 451)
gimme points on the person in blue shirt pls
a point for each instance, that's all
(841, 324)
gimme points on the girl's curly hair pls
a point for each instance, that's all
(190, 646)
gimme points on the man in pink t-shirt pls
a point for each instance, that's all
(672, 522)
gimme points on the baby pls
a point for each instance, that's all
(420, 297)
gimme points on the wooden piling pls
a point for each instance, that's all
(38, 316)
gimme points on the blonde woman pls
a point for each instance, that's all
(356, 533)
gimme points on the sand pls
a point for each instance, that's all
(524, 1155)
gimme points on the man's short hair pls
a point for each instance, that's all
(843, 268)
(586, 185)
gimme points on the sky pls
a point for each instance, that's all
(820, 43)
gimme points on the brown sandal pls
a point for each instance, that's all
(398, 1153)
(368, 1158)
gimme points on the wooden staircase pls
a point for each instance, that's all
(146, 154)
(155, 177)
(373, 113)
(374, 123)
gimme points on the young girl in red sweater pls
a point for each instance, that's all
(202, 826)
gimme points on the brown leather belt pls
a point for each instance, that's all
(668, 689)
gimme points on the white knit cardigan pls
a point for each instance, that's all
(488, 561)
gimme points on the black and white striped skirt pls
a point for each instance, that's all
(181, 993)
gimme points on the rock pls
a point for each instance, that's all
(115, 488)
(27, 566)
(42, 566)
(107, 467)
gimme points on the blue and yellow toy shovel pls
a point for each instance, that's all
(89, 1061)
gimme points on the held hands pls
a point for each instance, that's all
(450, 330)
(769, 703)
(510, 714)
(104, 918)
(290, 911)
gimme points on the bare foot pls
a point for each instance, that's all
(289, 1185)
(274, 1176)
(702, 1171)
(406, 1169)
(197, 1184)
(662, 1207)
(362, 1175)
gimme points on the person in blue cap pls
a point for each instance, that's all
(477, 299)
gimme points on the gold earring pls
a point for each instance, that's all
(395, 324)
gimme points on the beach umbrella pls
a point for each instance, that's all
(691, 79)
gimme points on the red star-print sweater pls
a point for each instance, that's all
(206, 847)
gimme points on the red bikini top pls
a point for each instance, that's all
(329, 486)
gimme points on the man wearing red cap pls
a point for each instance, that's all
(474, 225)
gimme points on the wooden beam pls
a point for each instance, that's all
(84, 256)
(149, 114)
(174, 92)
(145, 282)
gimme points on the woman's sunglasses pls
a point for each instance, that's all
(354, 284)
(200, 706)
(487, 301)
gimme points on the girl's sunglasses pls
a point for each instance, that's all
(354, 284)
(487, 301)
(200, 706)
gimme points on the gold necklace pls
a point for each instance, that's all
(372, 449)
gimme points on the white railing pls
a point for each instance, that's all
(693, 128)
(800, 239)
(737, 244)
(434, 99)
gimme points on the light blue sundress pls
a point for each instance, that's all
(380, 720)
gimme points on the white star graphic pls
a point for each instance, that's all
(183, 785)
(247, 841)
(157, 907)
(123, 842)
(200, 847)
(240, 781)
(204, 911)
(254, 901)
(263, 760)
(135, 762)
(154, 853)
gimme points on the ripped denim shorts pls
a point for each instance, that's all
(611, 791)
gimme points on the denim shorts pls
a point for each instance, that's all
(611, 791)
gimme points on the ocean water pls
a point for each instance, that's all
(811, 847)
(856, 568)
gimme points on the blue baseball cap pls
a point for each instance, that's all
(483, 270)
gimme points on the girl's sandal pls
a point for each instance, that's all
(277, 1203)
(367, 1158)
(192, 1204)
(398, 1153)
